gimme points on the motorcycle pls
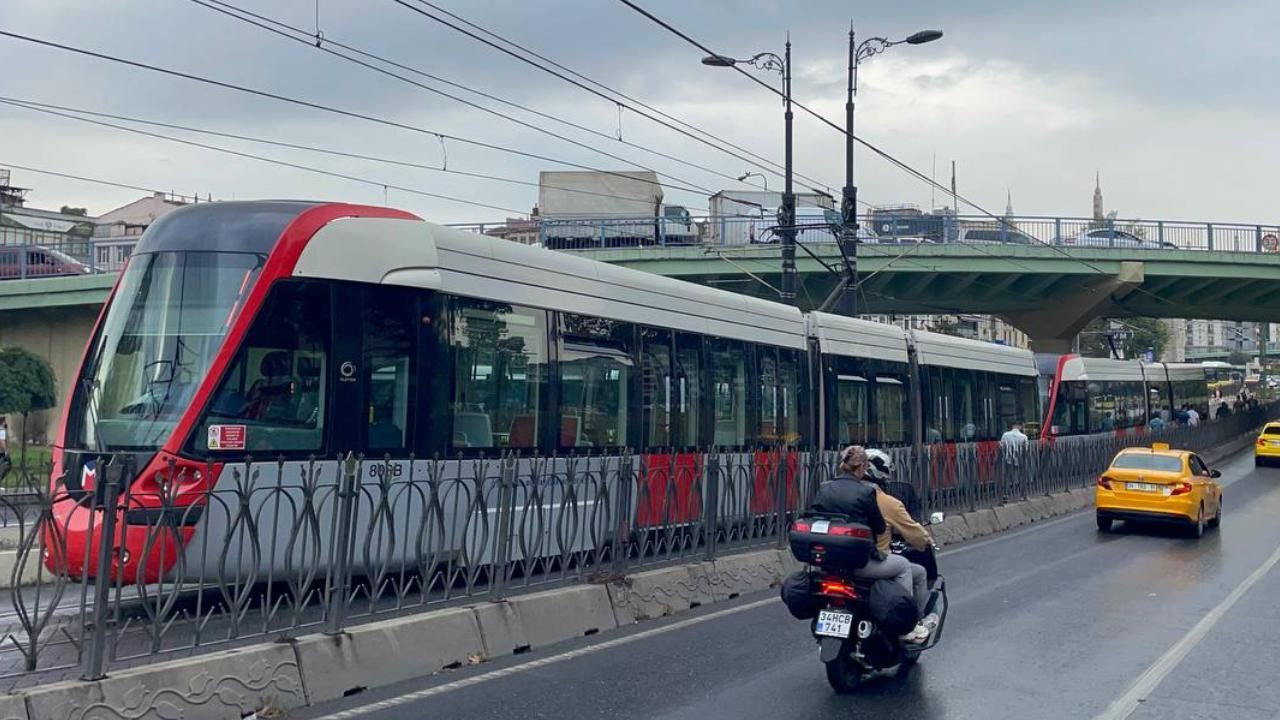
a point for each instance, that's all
(852, 644)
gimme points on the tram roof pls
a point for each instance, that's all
(421, 254)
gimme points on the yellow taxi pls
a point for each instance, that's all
(1267, 449)
(1159, 484)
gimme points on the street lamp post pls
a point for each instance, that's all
(787, 211)
(763, 178)
(845, 292)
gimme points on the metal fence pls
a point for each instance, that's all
(77, 255)
(880, 229)
(281, 548)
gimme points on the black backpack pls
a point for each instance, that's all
(892, 608)
(799, 594)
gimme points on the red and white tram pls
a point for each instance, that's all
(299, 333)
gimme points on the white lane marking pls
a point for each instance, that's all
(541, 662)
(1146, 683)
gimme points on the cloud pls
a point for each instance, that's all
(1028, 96)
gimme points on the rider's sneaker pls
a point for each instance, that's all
(916, 636)
(930, 621)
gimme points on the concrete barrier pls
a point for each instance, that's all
(734, 575)
(952, 530)
(657, 593)
(981, 522)
(387, 652)
(500, 629)
(554, 615)
(30, 572)
(13, 707)
(1010, 515)
(217, 686)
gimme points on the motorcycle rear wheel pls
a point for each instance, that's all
(844, 675)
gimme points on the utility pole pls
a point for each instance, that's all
(787, 213)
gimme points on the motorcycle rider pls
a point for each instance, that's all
(880, 471)
(850, 494)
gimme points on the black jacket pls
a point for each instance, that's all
(851, 497)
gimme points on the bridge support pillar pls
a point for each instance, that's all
(1053, 328)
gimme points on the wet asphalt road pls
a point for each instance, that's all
(1054, 621)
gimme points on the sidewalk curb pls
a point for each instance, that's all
(316, 668)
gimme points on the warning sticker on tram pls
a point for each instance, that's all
(226, 437)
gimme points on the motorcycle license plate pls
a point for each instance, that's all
(834, 624)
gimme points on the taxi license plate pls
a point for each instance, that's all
(1274, 443)
(834, 624)
(1144, 487)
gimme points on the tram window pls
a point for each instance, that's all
(1029, 405)
(891, 409)
(500, 359)
(770, 395)
(1006, 403)
(729, 392)
(688, 386)
(273, 396)
(851, 409)
(790, 386)
(389, 342)
(657, 388)
(965, 417)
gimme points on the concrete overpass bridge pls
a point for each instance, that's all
(1048, 292)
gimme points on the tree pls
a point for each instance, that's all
(68, 210)
(1134, 337)
(1239, 357)
(26, 386)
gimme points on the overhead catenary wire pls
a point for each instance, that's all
(305, 37)
(324, 108)
(583, 86)
(281, 163)
(228, 11)
(873, 148)
(779, 168)
(74, 113)
(81, 178)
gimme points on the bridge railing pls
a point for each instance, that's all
(80, 256)
(890, 228)
(280, 548)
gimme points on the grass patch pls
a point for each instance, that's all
(36, 469)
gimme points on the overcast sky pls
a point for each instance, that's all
(1173, 101)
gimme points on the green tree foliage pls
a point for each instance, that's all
(26, 386)
(1135, 336)
(68, 210)
(1239, 357)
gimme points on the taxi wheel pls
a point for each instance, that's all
(1216, 522)
(1197, 530)
(1104, 524)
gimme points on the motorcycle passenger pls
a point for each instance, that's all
(898, 520)
(851, 495)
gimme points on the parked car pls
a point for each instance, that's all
(36, 261)
(1110, 237)
(1001, 236)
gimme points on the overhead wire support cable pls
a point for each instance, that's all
(321, 107)
(74, 113)
(214, 5)
(779, 168)
(576, 83)
(302, 36)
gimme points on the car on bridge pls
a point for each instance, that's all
(1266, 450)
(995, 236)
(25, 261)
(1161, 485)
(1111, 237)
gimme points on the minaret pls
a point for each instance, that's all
(1097, 198)
(1008, 208)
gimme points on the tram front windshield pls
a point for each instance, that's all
(160, 334)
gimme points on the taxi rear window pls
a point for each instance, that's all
(1148, 461)
(1271, 430)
